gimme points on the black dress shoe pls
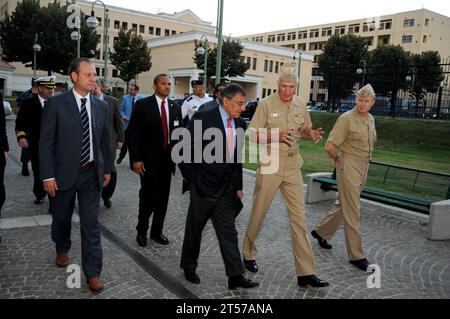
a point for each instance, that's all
(251, 265)
(362, 264)
(322, 242)
(142, 240)
(191, 276)
(39, 201)
(161, 239)
(107, 203)
(311, 280)
(240, 281)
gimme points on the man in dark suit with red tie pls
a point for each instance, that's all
(216, 185)
(149, 141)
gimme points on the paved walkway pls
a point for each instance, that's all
(411, 266)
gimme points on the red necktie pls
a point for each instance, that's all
(230, 137)
(164, 123)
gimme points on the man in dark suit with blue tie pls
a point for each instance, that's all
(216, 185)
(76, 160)
(149, 141)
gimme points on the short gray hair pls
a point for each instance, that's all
(231, 91)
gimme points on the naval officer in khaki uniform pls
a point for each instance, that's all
(280, 121)
(354, 136)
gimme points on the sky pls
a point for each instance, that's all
(243, 17)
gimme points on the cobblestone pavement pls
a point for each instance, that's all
(411, 266)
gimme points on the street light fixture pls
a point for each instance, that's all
(36, 48)
(76, 36)
(362, 71)
(298, 68)
(202, 49)
(93, 23)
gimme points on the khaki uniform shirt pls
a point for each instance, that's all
(272, 113)
(354, 135)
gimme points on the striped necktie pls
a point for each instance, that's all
(86, 142)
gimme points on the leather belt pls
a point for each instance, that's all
(88, 165)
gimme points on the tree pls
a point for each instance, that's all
(233, 63)
(131, 55)
(17, 34)
(389, 66)
(427, 75)
(338, 63)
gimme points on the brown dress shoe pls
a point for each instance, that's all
(62, 259)
(95, 283)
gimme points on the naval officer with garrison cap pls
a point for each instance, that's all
(281, 120)
(192, 103)
(28, 127)
(350, 146)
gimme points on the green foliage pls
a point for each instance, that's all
(17, 35)
(131, 55)
(427, 74)
(387, 63)
(233, 63)
(341, 57)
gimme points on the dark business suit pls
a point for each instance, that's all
(60, 158)
(146, 144)
(4, 147)
(204, 107)
(213, 188)
(117, 135)
(208, 105)
(28, 126)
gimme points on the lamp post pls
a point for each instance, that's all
(203, 50)
(362, 71)
(298, 68)
(36, 48)
(76, 36)
(92, 23)
(219, 41)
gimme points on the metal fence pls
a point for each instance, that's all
(432, 105)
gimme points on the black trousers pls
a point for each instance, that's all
(153, 199)
(2, 179)
(24, 155)
(124, 148)
(108, 191)
(222, 212)
(88, 192)
(38, 186)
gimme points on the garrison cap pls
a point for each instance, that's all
(366, 91)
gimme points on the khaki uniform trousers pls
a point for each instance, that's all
(291, 188)
(351, 174)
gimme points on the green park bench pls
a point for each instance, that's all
(323, 186)
(403, 201)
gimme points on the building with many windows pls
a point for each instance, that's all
(172, 39)
(149, 26)
(416, 31)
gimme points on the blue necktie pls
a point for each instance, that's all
(86, 142)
